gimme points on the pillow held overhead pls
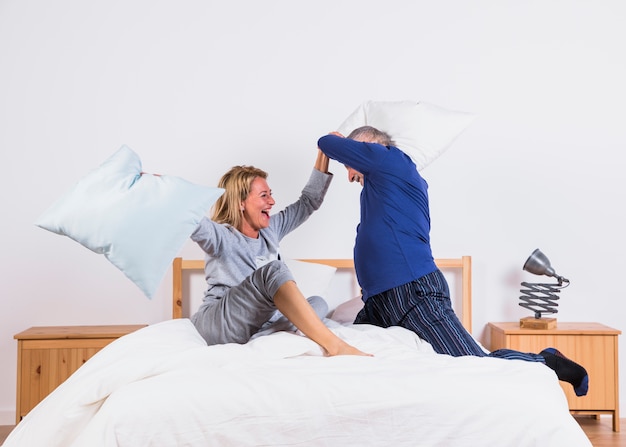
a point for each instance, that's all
(138, 221)
(422, 131)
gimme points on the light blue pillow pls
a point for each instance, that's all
(138, 221)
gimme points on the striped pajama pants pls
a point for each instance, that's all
(424, 307)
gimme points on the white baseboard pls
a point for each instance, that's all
(7, 417)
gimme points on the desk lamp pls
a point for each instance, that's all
(540, 297)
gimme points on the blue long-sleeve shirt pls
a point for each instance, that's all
(392, 244)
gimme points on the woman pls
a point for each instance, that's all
(247, 282)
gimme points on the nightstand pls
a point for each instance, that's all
(46, 356)
(592, 345)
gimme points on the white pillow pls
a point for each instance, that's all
(423, 131)
(346, 312)
(312, 279)
(138, 221)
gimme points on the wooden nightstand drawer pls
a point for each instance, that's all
(592, 345)
(47, 356)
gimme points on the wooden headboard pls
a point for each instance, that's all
(463, 263)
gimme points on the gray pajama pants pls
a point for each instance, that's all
(248, 308)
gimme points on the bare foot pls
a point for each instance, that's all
(343, 348)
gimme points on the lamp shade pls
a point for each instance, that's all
(539, 264)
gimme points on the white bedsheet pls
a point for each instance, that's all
(162, 386)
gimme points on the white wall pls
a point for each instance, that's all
(196, 86)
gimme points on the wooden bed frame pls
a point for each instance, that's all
(463, 263)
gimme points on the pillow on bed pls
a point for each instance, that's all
(312, 279)
(346, 312)
(138, 221)
(423, 131)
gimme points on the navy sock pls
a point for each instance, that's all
(567, 370)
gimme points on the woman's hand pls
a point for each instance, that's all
(321, 163)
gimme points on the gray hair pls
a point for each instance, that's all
(371, 135)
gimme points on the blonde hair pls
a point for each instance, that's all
(236, 183)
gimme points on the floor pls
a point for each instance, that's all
(4, 432)
(600, 432)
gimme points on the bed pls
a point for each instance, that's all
(163, 386)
